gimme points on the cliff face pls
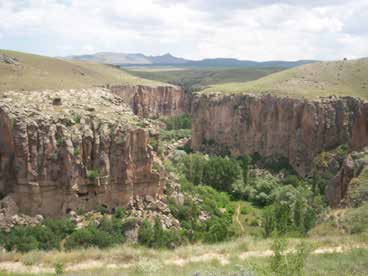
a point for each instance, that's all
(293, 128)
(149, 101)
(62, 150)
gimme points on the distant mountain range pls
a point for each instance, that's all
(123, 59)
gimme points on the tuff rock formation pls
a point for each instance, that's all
(63, 150)
(147, 101)
(297, 129)
(349, 187)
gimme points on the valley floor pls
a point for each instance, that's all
(341, 255)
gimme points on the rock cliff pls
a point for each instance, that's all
(149, 101)
(63, 150)
(296, 129)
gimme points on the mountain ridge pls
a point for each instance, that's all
(124, 59)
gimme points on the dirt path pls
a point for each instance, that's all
(18, 267)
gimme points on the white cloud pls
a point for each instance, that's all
(193, 29)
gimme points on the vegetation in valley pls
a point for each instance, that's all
(197, 78)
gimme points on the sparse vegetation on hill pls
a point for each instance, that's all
(196, 78)
(320, 79)
(23, 71)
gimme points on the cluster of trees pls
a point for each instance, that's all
(291, 206)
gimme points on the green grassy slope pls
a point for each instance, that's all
(33, 72)
(340, 78)
(200, 77)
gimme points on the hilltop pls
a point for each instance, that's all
(340, 78)
(23, 71)
(168, 59)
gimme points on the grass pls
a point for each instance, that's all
(142, 261)
(340, 78)
(200, 77)
(34, 72)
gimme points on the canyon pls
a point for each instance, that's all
(153, 101)
(296, 129)
(69, 149)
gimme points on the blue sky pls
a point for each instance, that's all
(257, 30)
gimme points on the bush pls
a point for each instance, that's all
(21, 239)
(221, 173)
(46, 237)
(183, 121)
(157, 237)
(291, 213)
(192, 166)
(108, 233)
(92, 174)
(283, 263)
(260, 190)
(218, 230)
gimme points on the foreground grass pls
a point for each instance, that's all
(340, 78)
(236, 256)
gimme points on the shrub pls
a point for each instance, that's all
(146, 233)
(106, 234)
(119, 213)
(157, 237)
(291, 213)
(21, 239)
(183, 121)
(59, 268)
(217, 230)
(283, 263)
(192, 167)
(260, 190)
(92, 174)
(221, 173)
(245, 162)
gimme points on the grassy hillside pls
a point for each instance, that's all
(200, 77)
(340, 78)
(33, 72)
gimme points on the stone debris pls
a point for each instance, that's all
(9, 60)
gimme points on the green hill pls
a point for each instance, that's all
(191, 77)
(340, 78)
(22, 71)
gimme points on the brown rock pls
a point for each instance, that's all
(296, 129)
(52, 167)
(147, 101)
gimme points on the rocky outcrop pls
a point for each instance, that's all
(349, 187)
(297, 129)
(63, 150)
(147, 101)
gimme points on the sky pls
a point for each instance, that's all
(249, 30)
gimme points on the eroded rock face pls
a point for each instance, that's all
(149, 101)
(87, 150)
(293, 128)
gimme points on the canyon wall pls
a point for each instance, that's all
(296, 129)
(147, 101)
(63, 150)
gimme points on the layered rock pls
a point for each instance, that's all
(297, 129)
(147, 101)
(63, 150)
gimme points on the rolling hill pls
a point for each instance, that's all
(22, 71)
(168, 59)
(340, 78)
(198, 78)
